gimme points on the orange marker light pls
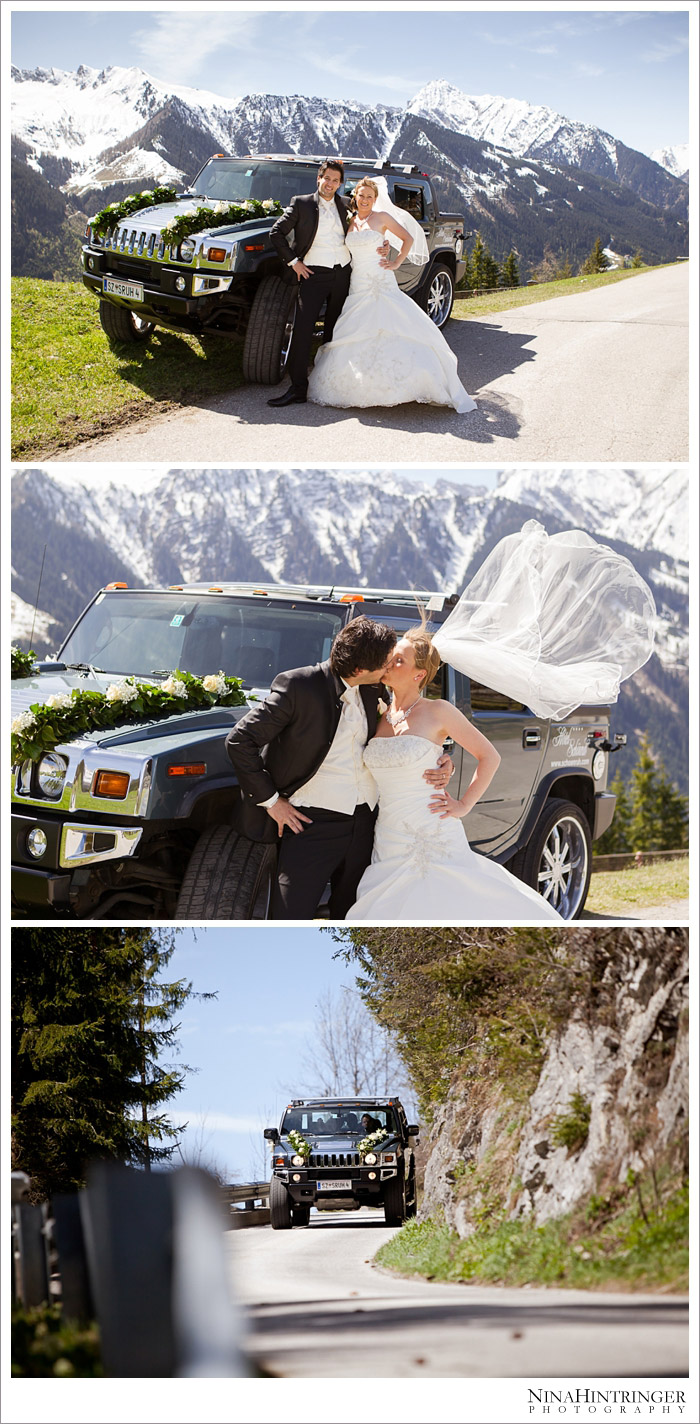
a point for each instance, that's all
(115, 585)
(113, 784)
(216, 254)
(351, 598)
(193, 768)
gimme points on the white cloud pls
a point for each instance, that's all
(215, 1122)
(662, 50)
(175, 46)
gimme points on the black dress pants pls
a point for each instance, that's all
(333, 847)
(329, 285)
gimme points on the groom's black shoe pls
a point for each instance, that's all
(292, 396)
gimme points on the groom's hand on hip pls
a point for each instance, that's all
(440, 774)
(285, 814)
(301, 269)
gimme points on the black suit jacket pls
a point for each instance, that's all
(301, 219)
(283, 741)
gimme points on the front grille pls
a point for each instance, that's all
(135, 241)
(334, 1159)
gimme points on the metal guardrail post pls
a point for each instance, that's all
(128, 1222)
(76, 1298)
(29, 1251)
(208, 1325)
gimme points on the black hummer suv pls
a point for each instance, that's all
(341, 1153)
(230, 280)
(165, 846)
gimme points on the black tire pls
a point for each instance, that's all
(301, 1215)
(280, 1206)
(119, 324)
(228, 878)
(411, 1193)
(269, 333)
(559, 852)
(395, 1199)
(438, 294)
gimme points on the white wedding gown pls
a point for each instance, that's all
(385, 351)
(422, 867)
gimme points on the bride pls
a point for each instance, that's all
(555, 622)
(423, 867)
(385, 351)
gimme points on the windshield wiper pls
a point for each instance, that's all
(83, 667)
(159, 672)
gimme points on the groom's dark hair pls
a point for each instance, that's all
(336, 163)
(361, 644)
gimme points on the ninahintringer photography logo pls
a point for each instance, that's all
(615, 1403)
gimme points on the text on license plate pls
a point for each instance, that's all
(340, 1184)
(133, 290)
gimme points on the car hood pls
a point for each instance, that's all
(156, 218)
(345, 1143)
(38, 689)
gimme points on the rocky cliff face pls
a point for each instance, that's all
(609, 1107)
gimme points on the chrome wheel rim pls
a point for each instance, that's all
(439, 298)
(563, 869)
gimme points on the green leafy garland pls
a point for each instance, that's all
(23, 664)
(217, 215)
(373, 1139)
(67, 715)
(299, 1143)
(114, 212)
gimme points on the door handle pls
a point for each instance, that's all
(532, 737)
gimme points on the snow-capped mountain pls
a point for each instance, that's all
(675, 159)
(98, 125)
(363, 529)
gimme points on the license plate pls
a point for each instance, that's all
(341, 1184)
(132, 290)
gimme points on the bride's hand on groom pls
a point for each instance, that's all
(285, 814)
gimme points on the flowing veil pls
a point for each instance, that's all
(418, 253)
(554, 622)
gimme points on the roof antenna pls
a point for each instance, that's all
(36, 605)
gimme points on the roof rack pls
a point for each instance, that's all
(369, 163)
(328, 592)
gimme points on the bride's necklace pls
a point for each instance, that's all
(399, 714)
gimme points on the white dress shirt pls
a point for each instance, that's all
(328, 247)
(342, 781)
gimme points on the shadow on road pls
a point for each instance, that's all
(333, 1316)
(483, 352)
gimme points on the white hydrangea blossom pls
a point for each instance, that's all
(175, 686)
(23, 723)
(215, 682)
(268, 202)
(59, 700)
(221, 207)
(122, 692)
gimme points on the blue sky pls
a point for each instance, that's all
(249, 1044)
(624, 70)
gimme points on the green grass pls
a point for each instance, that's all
(466, 307)
(607, 1246)
(68, 384)
(632, 890)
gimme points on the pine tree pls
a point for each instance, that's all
(672, 811)
(616, 839)
(645, 825)
(90, 1019)
(510, 276)
(637, 260)
(477, 263)
(492, 270)
(596, 260)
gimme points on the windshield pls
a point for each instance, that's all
(153, 634)
(237, 179)
(332, 1121)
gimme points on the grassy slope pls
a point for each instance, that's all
(70, 385)
(630, 891)
(604, 1246)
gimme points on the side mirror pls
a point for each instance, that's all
(271, 1134)
(413, 1130)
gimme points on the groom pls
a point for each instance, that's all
(298, 757)
(320, 265)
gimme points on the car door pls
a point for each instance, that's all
(521, 739)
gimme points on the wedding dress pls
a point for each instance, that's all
(422, 867)
(385, 351)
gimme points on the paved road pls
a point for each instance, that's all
(666, 913)
(600, 376)
(318, 1308)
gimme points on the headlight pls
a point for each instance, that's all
(370, 1158)
(187, 250)
(51, 774)
(297, 1161)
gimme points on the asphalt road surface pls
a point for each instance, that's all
(317, 1308)
(600, 376)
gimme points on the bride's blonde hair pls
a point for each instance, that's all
(427, 659)
(365, 183)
